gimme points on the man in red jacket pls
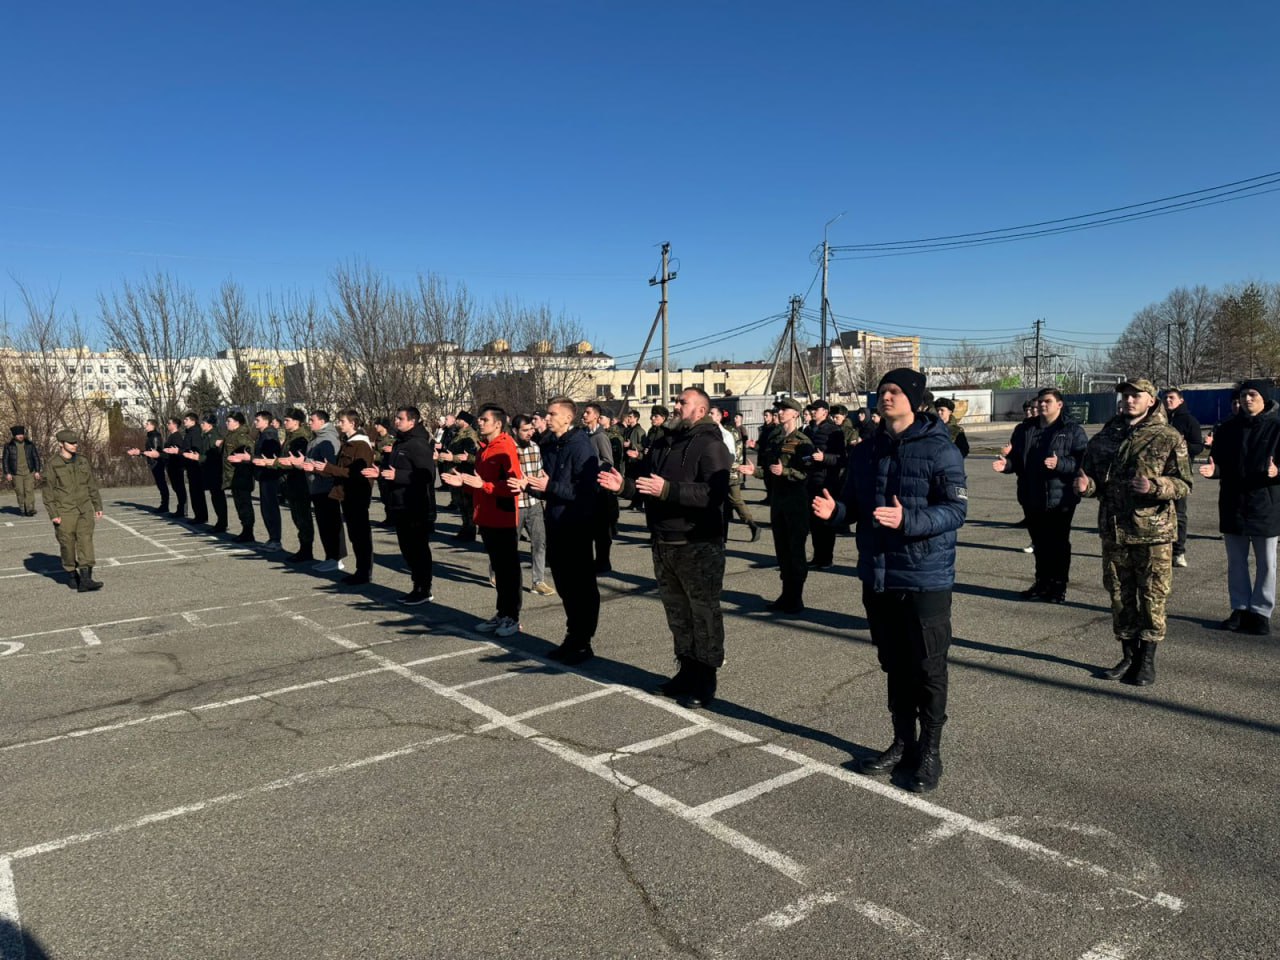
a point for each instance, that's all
(496, 514)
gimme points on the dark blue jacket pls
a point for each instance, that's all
(1039, 488)
(571, 466)
(925, 471)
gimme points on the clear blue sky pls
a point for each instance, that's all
(545, 150)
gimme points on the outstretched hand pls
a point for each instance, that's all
(610, 479)
(1082, 483)
(890, 517)
(824, 506)
(999, 464)
(1207, 469)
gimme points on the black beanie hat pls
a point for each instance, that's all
(19, 429)
(466, 418)
(911, 382)
(1263, 387)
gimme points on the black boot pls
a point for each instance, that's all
(929, 770)
(702, 687)
(901, 752)
(1033, 592)
(73, 580)
(1255, 624)
(1055, 591)
(87, 583)
(682, 682)
(1130, 648)
(1143, 671)
(1233, 622)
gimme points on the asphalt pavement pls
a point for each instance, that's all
(219, 755)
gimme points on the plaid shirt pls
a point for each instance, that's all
(530, 466)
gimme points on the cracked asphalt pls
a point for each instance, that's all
(220, 756)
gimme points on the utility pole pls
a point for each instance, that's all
(1168, 354)
(791, 340)
(822, 351)
(662, 312)
(1039, 324)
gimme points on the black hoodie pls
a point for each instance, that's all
(1243, 448)
(694, 461)
(412, 493)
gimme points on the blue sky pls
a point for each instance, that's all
(545, 150)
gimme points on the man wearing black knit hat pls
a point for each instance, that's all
(905, 490)
(22, 468)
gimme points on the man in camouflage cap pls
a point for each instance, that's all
(1137, 466)
(71, 496)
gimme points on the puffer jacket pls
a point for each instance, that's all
(494, 505)
(924, 470)
(1119, 453)
(1243, 448)
(412, 493)
(695, 463)
(571, 467)
(1039, 488)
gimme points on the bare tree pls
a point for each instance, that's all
(299, 333)
(238, 327)
(158, 327)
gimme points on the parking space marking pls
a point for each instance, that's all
(11, 941)
(193, 618)
(550, 707)
(141, 536)
(653, 743)
(731, 800)
(483, 681)
(297, 779)
(89, 637)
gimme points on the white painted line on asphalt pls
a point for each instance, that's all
(8, 523)
(89, 637)
(141, 536)
(309, 776)
(729, 733)
(234, 701)
(7, 647)
(508, 675)
(12, 946)
(153, 616)
(550, 707)
(731, 800)
(193, 618)
(652, 743)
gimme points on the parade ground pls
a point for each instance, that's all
(221, 756)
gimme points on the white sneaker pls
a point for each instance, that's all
(490, 625)
(1029, 548)
(328, 566)
(507, 628)
(1180, 560)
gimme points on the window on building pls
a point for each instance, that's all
(120, 368)
(602, 390)
(104, 369)
(122, 386)
(124, 403)
(677, 388)
(652, 389)
(717, 389)
(628, 389)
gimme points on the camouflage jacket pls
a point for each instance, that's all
(466, 442)
(791, 450)
(1117, 455)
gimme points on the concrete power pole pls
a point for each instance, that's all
(822, 344)
(662, 280)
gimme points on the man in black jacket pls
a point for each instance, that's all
(193, 452)
(684, 479)
(266, 448)
(409, 472)
(1180, 419)
(175, 467)
(1045, 454)
(825, 468)
(1246, 449)
(22, 467)
(152, 450)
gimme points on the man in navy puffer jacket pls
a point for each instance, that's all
(905, 490)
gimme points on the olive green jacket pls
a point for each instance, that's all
(69, 486)
(237, 476)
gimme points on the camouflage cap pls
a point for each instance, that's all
(1139, 385)
(788, 403)
(67, 436)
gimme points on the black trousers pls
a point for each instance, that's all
(195, 480)
(574, 574)
(606, 516)
(1051, 536)
(1180, 545)
(329, 526)
(218, 498)
(912, 633)
(503, 546)
(162, 483)
(413, 534)
(355, 511)
(176, 470)
(824, 540)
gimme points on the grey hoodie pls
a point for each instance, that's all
(323, 446)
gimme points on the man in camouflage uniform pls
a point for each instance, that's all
(460, 454)
(71, 496)
(787, 457)
(22, 468)
(1137, 466)
(946, 408)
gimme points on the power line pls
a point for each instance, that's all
(1082, 216)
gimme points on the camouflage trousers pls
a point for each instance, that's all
(690, 576)
(1138, 577)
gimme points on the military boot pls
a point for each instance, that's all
(1055, 591)
(702, 687)
(87, 583)
(1143, 671)
(929, 770)
(682, 682)
(899, 755)
(1130, 648)
(73, 579)
(1033, 592)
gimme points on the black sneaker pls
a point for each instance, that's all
(415, 597)
(302, 556)
(244, 538)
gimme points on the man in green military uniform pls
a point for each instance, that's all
(237, 472)
(1137, 466)
(946, 408)
(22, 468)
(788, 455)
(71, 496)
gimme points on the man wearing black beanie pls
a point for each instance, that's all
(905, 490)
